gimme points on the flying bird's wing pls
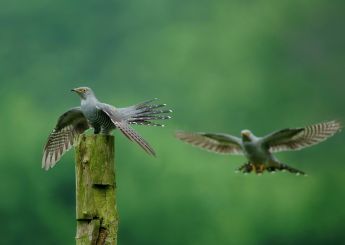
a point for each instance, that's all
(298, 138)
(120, 120)
(215, 142)
(69, 126)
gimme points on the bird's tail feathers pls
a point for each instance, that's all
(144, 112)
(283, 167)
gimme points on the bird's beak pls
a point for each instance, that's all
(74, 90)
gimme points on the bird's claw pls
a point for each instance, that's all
(245, 168)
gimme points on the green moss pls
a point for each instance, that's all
(96, 213)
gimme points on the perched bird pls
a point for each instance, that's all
(103, 118)
(258, 150)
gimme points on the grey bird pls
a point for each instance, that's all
(103, 118)
(258, 150)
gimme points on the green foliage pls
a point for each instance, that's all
(222, 66)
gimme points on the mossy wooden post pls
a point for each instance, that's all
(97, 217)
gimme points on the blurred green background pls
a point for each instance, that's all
(222, 66)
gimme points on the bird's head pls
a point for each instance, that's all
(83, 92)
(247, 135)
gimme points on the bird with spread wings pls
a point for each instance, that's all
(103, 118)
(259, 150)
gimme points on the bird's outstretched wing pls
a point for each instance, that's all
(120, 120)
(69, 126)
(215, 142)
(298, 138)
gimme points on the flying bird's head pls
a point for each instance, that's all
(83, 92)
(247, 135)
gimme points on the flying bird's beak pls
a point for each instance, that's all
(74, 90)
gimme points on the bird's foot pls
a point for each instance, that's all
(250, 167)
(260, 168)
(246, 168)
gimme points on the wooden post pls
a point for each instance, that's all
(97, 217)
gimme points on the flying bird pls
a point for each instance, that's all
(259, 150)
(103, 118)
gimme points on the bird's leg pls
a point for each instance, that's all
(246, 168)
(283, 167)
(260, 168)
(105, 131)
(240, 169)
(97, 130)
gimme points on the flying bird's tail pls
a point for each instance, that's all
(143, 113)
(284, 167)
